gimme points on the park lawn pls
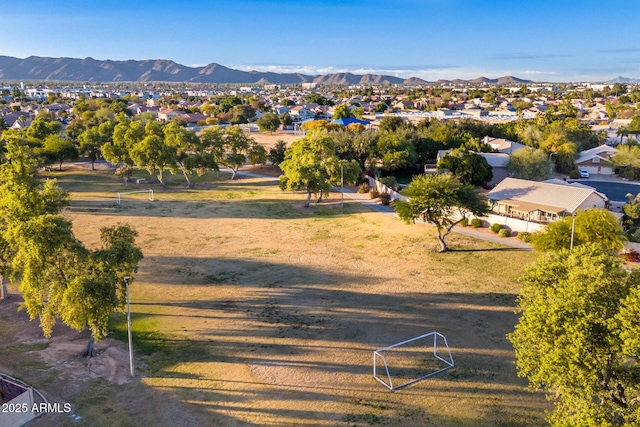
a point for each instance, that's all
(250, 310)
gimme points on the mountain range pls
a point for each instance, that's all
(162, 70)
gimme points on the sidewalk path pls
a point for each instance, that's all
(366, 200)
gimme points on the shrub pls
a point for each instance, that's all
(525, 236)
(385, 199)
(374, 193)
(464, 222)
(476, 223)
(504, 232)
(496, 227)
(574, 174)
(363, 188)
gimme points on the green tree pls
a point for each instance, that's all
(529, 163)
(126, 134)
(268, 122)
(442, 200)
(153, 153)
(242, 114)
(58, 149)
(577, 337)
(22, 198)
(257, 154)
(591, 226)
(43, 126)
(229, 146)
(390, 124)
(469, 167)
(342, 112)
(311, 164)
(92, 140)
(393, 151)
(277, 153)
(190, 154)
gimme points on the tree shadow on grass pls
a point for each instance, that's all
(321, 326)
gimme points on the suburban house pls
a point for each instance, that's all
(502, 145)
(169, 114)
(299, 113)
(542, 201)
(597, 160)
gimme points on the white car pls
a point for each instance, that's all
(584, 173)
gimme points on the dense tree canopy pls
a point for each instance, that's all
(469, 167)
(311, 164)
(577, 337)
(530, 163)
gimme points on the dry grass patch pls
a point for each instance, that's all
(251, 310)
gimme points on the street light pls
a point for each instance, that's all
(341, 185)
(573, 229)
(126, 282)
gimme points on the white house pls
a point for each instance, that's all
(300, 113)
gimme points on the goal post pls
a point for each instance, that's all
(413, 360)
(119, 200)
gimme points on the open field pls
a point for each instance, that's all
(250, 310)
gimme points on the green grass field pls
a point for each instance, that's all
(250, 310)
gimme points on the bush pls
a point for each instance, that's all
(464, 222)
(496, 227)
(363, 188)
(374, 193)
(504, 232)
(574, 174)
(476, 223)
(525, 236)
(385, 199)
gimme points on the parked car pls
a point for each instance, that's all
(584, 173)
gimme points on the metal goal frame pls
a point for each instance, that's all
(119, 200)
(447, 360)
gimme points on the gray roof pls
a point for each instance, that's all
(569, 197)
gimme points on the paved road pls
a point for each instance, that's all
(615, 191)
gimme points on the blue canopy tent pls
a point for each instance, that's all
(348, 121)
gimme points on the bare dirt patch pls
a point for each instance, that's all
(250, 311)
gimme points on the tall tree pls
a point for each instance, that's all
(276, 154)
(268, 122)
(530, 163)
(92, 140)
(469, 167)
(58, 149)
(311, 164)
(577, 337)
(126, 134)
(229, 146)
(22, 198)
(442, 200)
(154, 155)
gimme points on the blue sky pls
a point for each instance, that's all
(432, 39)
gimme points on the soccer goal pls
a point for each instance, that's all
(132, 192)
(410, 361)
